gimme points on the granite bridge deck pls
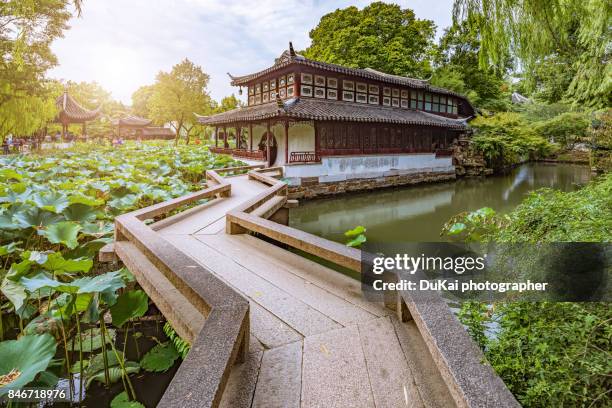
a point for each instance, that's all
(313, 339)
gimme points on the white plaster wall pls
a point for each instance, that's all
(301, 138)
(338, 168)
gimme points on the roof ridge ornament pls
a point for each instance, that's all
(231, 76)
(291, 50)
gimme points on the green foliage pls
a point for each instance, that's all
(130, 305)
(458, 68)
(160, 358)
(179, 344)
(122, 401)
(552, 39)
(227, 103)
(548, 354)
(546, 215)
(107, 368)
(473, 226)
(600, 135)
(380, 36)
(566, 129)
(22, 360)
(177, 94)
(356, 235)
(506, 138)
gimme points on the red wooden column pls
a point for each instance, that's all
(238, 137)
(250, 136)
(225, 145)
(268, 143)
(216, 136)
(286, 141)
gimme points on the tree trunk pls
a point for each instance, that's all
(178, 134)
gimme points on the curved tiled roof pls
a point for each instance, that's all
(287, 59)
(322, 109)
(71, 112)
(131, 121)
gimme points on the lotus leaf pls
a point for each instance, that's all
(114, 373)
(357, 241)
(9, 248)
(56, 262)
(122, 401)
(360, 229)
(10, 174)
(110, 281)
(25, 358)
(129, 305)
(27, 217)
(80, 213)
(52, 201)
(64, 232)
(85, 200)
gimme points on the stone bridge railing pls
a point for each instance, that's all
(223, 337)
(459, 360)
(208, 313)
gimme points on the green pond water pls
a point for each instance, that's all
(418, 213)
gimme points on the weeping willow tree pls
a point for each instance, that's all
(573, 35)
(27, 30)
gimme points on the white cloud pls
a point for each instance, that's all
(123, 44)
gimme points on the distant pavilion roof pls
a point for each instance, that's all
(322, 109)
(157, 132)
(131, 121)
(71, 112)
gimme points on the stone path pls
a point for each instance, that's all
(315, 341)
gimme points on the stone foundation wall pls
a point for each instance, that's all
(311, 187)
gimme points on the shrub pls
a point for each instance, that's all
(548, 354)
(506, 138)
(566, 129)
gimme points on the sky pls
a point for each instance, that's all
(123, 44)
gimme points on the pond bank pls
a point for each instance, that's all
(418, 213)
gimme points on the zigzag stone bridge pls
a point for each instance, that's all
(270, 328)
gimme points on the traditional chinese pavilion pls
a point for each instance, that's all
(70, 112)
(134, 127)
(330, 121)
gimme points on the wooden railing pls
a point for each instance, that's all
(250, 154)
(240, 153)
(303, 157)
(224, 335)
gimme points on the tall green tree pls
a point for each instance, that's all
(140, 100)
(227, 103)
(574, 35)
(380, 36)
(177, 95)
(457, 68)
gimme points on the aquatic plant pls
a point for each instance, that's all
(56, 212)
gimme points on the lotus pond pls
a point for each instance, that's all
(67, 322)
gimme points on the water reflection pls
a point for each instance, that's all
(418, 213)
